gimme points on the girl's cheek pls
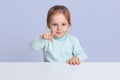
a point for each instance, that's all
(54, 29)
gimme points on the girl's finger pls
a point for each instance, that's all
(74, 63)
(53, 33)
(70, 62)
(78, 62)
(46, 36)
(49, 37)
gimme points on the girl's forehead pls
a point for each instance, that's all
(58, 14)
(59, 18)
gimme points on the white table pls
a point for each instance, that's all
(59, 71)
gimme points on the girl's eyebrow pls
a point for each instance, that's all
(54, 23)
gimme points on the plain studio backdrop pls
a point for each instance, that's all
(96, 23)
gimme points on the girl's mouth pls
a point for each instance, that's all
(59, 33)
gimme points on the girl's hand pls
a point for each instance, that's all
(73, 61)
(48, 36)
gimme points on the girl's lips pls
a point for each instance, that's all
(59, 32)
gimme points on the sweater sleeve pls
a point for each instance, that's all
(78, 51)
(37, 44)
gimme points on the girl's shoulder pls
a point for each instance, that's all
(74, 40)
(72, 37)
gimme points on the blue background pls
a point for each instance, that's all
(96, 23)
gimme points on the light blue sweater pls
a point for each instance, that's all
(60, 50)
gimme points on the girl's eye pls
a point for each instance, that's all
(63, 24)
(55, 24)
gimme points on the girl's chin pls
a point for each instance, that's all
(58, 36)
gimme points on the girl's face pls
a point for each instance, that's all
(58, 25)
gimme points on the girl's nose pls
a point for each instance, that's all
(58, 27)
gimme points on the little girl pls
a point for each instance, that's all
(58, 45)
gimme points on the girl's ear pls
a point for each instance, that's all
(69, 25)
(48, 26)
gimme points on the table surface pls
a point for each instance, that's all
(59, 71)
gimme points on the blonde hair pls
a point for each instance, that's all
(58, 9)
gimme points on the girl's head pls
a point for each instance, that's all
(58, 20)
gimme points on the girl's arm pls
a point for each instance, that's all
(37, 44)
(78, 51)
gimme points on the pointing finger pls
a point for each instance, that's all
(53, 33)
